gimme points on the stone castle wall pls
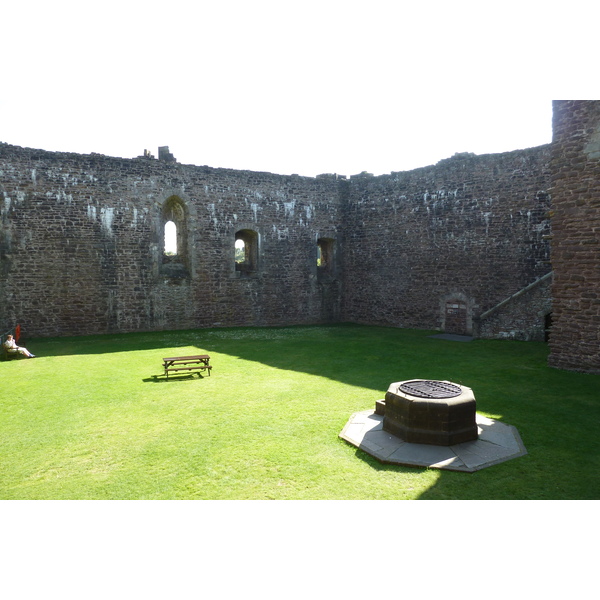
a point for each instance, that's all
(525, 316)
(81, 243)
(471, 230)
(575, 335)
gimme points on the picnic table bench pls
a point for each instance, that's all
(199, 362)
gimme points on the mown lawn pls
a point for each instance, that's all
(93, 417)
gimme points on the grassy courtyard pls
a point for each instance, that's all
(94, 418)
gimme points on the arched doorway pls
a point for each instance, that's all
(456, 317)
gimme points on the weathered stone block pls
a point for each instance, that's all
(442, 421)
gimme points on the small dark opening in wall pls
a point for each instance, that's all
(547, 326)
(325, 255)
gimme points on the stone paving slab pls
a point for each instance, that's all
(497, 443)
(452, 337)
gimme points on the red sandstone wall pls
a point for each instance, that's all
(575, 334)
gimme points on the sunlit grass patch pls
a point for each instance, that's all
(94, 417)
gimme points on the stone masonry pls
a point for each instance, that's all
(82, 244)
(575, 334)
(460, 246)
(470, 230)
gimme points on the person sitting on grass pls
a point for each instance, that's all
(12, 348)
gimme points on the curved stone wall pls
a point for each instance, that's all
(82, 243)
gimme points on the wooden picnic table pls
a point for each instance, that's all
(198, 362)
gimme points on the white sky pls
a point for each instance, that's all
(291, 86)
(287, 86)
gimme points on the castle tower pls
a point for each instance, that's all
(575, 248)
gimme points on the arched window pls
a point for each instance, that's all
(246, 252)
(240, 251)
(175, 259)
(170, 238)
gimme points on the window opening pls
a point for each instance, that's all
(170, 238)
(325, 253)
(246, 252)
(175, 248)
(240, 251)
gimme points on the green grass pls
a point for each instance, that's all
(93, 417)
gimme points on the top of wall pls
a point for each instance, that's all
(463, 159)
(146, 161)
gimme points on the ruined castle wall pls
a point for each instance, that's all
(575, 334)
(467, 233)
(82, 239)
(525, 316)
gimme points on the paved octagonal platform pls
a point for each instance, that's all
(497, 442)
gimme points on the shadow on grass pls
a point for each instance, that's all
(171, 379)
(380, 466)
(556, 412)
(343, 352)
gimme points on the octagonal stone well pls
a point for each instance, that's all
(432, 424)
(429, 412)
